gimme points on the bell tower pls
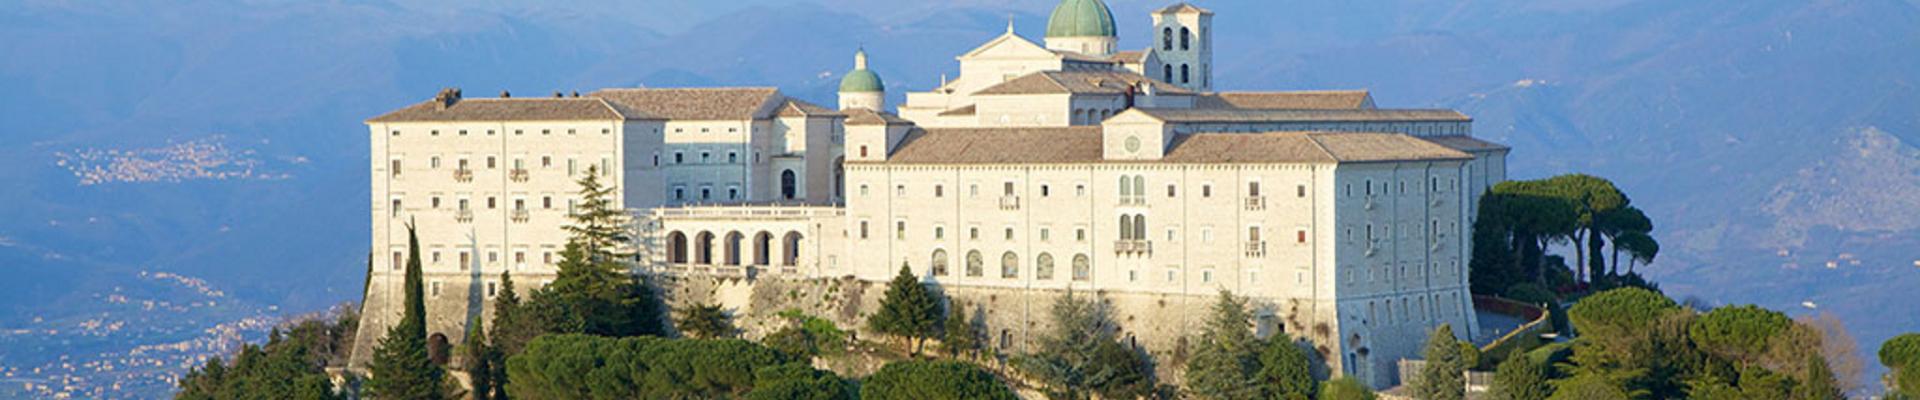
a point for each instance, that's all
(1183, 41)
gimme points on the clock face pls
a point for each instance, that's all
(1133, 144)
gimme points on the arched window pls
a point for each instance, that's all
(1009, 265)
(787, 184)
(1126, 227)
(1169, 70)
(1184, 34)
(1140, 227)
(1043, 267)
(1183, 74)
(1139, 185)
(1082, 269)
(974, 263)
(790, 253)
(939, 262)
(1166, 38)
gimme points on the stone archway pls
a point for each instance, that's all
(790, 249)
(762, 248)
(703, 248)
(733, 244)
(676, 248)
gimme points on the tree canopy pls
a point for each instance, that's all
(1227, 358)
(909, 310)
(933, 380)
(1442, 378)
(573, 366)
(1079, 355)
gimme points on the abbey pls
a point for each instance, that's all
(1041, 168)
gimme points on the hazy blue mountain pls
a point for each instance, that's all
(1768, 139)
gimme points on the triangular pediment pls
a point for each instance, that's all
(1009, 45)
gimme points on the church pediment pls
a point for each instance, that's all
(1009, 46)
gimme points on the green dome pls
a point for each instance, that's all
(861, 80)
(1080, 18)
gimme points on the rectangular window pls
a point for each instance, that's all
(939, 190)
(1043, 234)
(1301, 191)
(396, 168)
(493, 289)
(1253, 189)
(1170, 191)
(1080, 234)
(399, 259)
(1300, 236)
(900, 230)
(1045, 190)
(436, 284)
(1206, 191)
(863, 229)
(973, 233)
(1009, 188)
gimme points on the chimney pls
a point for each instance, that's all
(447, 97)
(505, 95)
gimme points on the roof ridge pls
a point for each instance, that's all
(1315, 139)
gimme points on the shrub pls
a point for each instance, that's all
(933, 380)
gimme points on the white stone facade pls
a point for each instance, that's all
(1036, 171)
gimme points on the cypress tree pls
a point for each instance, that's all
(401, 369)
(959, 336)
(1442, 378)
(479, 364)
(909, 310)
(1819, 384)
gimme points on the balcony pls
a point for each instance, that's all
(1256, 203)
(1131, 246)
(463, 175)
(521, 215)
(1257, 248)
(1009, 202)
(517, 174)
(463, 215)
(1135, 201)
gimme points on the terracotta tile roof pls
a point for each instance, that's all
(1252, 115)
(1465, 143)
(509, 109)
(697, 103)
(796, 108)
(1130, 56)
(1082, 145)
(1038, 145)
(861, 116)
(1301, 100)
(1078, 82)
(1368, 147)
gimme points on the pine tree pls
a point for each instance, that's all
(598, 225)
(1285, 370)
(909, 310)
(1442, 378)
(1519, 378)
(479, 363)
(401, 369)
(1227, 358)
(959, 336)
(704, 321)
(513, 327)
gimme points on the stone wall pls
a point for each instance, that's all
(1012, 320)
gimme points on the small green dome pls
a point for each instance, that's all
(861, 80)
(1080, 18)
